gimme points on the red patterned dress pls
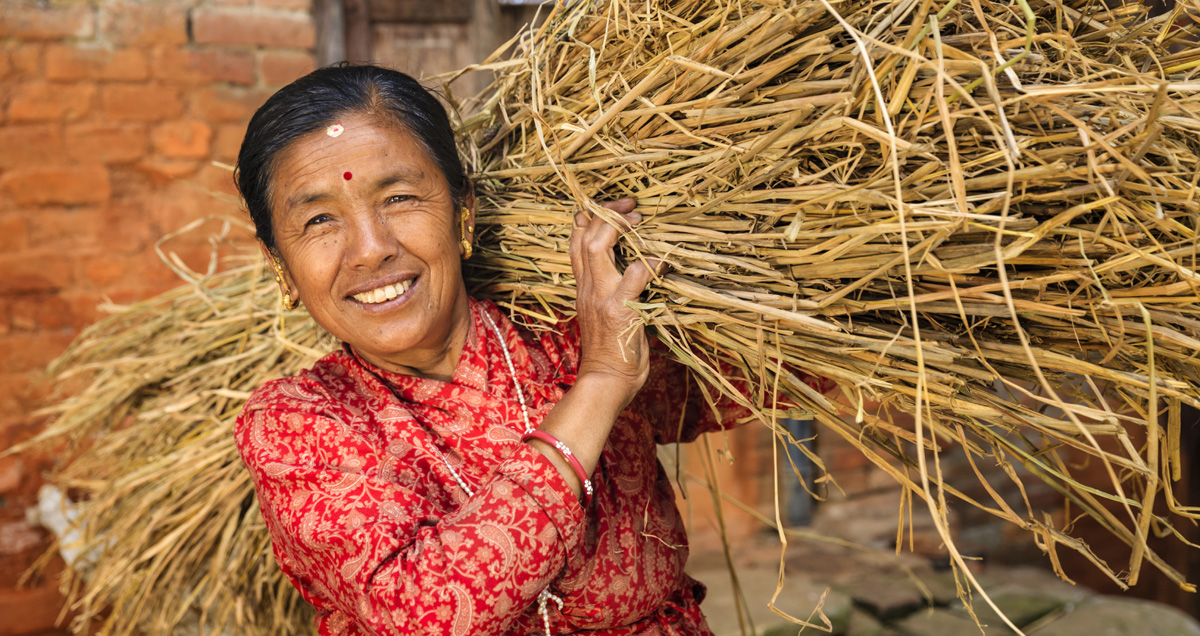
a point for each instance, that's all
(352, 468)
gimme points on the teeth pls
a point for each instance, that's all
(384, 293)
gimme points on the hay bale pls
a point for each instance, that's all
(971, 213)
(922, 203)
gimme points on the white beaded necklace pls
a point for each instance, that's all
(546, 595)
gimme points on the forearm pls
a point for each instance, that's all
(582, 420)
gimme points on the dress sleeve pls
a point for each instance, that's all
(377, 556)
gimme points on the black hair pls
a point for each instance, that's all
(319, 99)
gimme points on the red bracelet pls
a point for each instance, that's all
(569, 456)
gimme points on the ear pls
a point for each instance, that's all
(274, 260)
(466, 231)
(470, 203)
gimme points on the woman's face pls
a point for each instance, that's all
(369, 240)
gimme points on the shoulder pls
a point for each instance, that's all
(314, 389)
(307, 409)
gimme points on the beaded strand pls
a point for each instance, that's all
(511, 370)
(546, 595)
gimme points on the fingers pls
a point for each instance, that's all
(626, 217)
(594, 237)
(622, 206)
(633, 282)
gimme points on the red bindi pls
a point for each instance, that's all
(347, 176)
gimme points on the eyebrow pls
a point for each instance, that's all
(382, 183)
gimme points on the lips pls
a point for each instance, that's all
(383, 294)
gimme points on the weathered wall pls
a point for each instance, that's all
(111, 112)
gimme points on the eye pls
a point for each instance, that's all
(399, 198)
(317, 220)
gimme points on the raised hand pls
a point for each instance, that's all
(612, 336)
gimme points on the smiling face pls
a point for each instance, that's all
(368, 234)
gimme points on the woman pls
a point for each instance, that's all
(445, 471)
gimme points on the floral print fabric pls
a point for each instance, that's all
(352, 470)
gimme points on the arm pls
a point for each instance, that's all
(357, 542)
(614, 358)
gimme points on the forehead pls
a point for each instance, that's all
(355, 138)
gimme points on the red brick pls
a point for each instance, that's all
(144, 25)
(130, 183)
(277, 68)
(138, 102)
(70, 63)
(53, 184)
(41, 101)
(15, 391)
(204, 66)
(223, 105)
(108, 143)
(128, 65)
(12, 469)
(32, 351)
(123, 227)
(182, 139)
(26, 59)
(17, 427)
(13, 236)
(33, 312)
(64, 231)
(286, 5)
(105, 272)
(31, 145)
(242, 27)
(85, 307)
(164, 170)
(227, 142)
(177, 204)
(6, 65)
(30, 610)
(49, 23)
(218, 182)
(91, 231)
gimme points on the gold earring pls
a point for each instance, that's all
(285, 294)
(466, 229)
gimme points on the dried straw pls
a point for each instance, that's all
(980, 214)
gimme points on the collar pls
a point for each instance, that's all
(481, 365)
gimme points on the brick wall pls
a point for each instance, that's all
(111, 114)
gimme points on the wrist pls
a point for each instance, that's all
(549, 442)
(605, 390)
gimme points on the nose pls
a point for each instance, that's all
(372, 242)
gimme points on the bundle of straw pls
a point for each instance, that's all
(169, 530)
(980, 214)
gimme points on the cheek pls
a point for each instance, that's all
(318, 262)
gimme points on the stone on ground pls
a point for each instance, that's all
(1112, 616)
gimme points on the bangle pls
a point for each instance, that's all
(569, 456)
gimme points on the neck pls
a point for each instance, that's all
(437, 367)
(434, 363)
